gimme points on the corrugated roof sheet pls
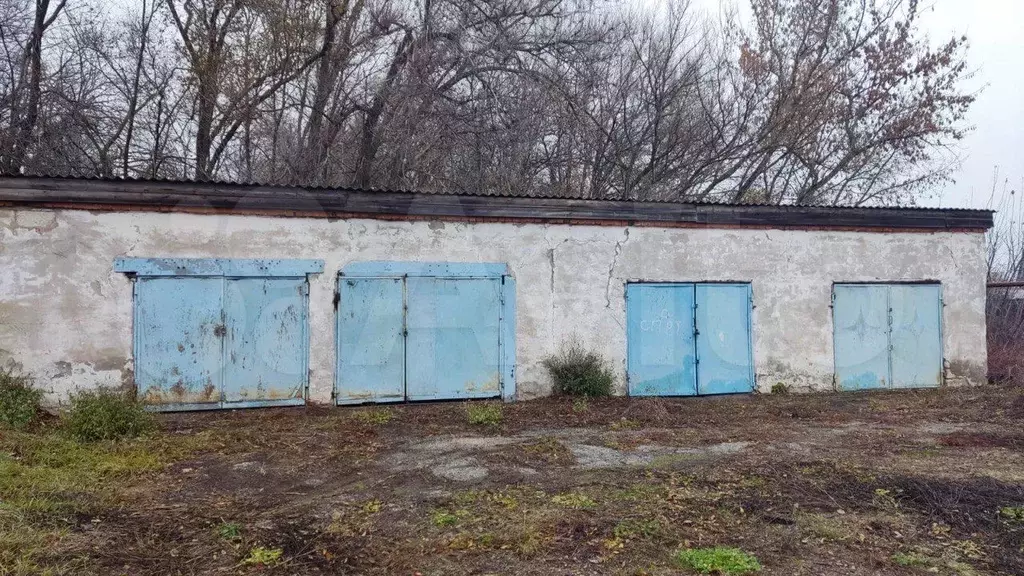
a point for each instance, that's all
(483, 194)
(331, 202)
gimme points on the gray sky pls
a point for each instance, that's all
(995, 29)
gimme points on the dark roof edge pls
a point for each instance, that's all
(165, 195)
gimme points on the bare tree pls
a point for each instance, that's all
(22, 35)
(240, 54)
(1005, 303)
(817, 101)
(842, 102)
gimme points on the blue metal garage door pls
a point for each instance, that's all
(179, 356)
(220, 333)
(371, 340)
(724, 359)
(887, 335)
(453, 338)
(661, 359)
(688, 339)
(861, 320)
(425, 331)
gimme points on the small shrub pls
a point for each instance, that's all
(106, 415)
(577, 371)
(718, 560)
(780, 388)
(483, 414)
(19, 401)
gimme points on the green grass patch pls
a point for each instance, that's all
(47, 479)
(911, 560)
(19, 400)
(444, 518)
(577, 371)
(479, 414)
(574, 500)
(1012, 513)
(106, 415)
(634, 528)
(374, 416)
(52, 474)
(518, 519)
(946, 562)
(641, 492)
(26, 550)
(229, 531)
(261, 556)
(720, 560)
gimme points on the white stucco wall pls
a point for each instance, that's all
(66, 317)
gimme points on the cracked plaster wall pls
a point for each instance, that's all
(65, 316)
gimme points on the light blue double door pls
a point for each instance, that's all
(211, 333)
(688, 339)
(887, 335)
(420, 338)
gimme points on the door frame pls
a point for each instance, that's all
(226, 269)
(445, 270)
(748, 284)
(836, 384)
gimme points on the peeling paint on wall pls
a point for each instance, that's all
(59, 297)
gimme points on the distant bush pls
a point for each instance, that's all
(577, 371)
(780, 388)
(106, 415)
(483, 414)
(19, 401)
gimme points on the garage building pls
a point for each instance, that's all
(213, 295)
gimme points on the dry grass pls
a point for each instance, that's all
(831, 485)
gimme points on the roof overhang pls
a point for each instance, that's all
(293, 201)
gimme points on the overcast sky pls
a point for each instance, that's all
(995, 29)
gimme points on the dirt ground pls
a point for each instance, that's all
(919, 482)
